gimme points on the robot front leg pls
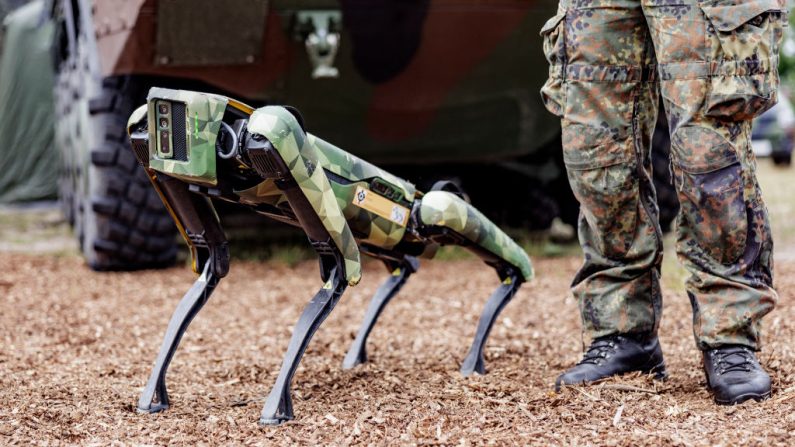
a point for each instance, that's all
(312, 201)
(155, 397)
(279, 406)
(196, 220)
(400, 272)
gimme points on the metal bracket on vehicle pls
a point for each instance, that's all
(320, 32)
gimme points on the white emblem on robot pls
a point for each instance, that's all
(380, 206)
(398, 214)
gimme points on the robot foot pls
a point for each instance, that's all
(154, 397)
(278, 407)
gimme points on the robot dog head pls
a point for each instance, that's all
(176, 131)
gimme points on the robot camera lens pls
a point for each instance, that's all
(163, 122)
(163, 108)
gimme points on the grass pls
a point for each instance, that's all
(674, 273)
(289, 250)
(778, 190)
(38, 229)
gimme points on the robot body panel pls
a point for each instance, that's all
(185, 132)
(284, 132)
(444, 209)
(353, 168)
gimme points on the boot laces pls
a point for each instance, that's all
(734, 360)
(600, 350)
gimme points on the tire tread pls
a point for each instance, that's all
(134, 230)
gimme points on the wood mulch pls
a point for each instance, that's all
(76, 348)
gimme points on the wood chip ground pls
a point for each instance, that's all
(76, 348)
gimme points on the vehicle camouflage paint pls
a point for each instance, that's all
(197, 146)
(418, 81)
(435, 90)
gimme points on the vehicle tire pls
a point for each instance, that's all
(780, 159)
(118, 218)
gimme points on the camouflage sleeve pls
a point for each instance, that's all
(441, 208)
(281, 128)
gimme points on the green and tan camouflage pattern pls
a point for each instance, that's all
(284, 132)
(715, 64)
(203, 115)
(311, 161)
(138, 114)
(374, 229)
(445, 209)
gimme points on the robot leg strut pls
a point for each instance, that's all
(279, 405)
(449, 219)
(271, 163)
(474, 362)
(400, 272)
(202, 230)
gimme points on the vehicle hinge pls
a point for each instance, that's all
(320, 32)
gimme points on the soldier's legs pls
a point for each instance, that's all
(717, 64)
(717, 69)
(602, 85)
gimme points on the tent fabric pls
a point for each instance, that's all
(6, 6)
(28, 160)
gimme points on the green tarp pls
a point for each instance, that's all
(6, 6)
(28, 160)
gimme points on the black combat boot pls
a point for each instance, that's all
(616, 354)
(734, 375)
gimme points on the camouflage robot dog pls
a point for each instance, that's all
(197, 146)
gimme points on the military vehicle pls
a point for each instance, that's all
(430, 89)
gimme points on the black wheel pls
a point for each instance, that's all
(117, 216)
(782, 159)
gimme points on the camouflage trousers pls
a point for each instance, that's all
(715, 65)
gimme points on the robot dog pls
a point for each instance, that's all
(197, 146)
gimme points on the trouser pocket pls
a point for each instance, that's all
(602, 174)
(744, 38)
(553, 93)
(713, 213)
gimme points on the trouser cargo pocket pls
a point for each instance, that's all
(553, 93)
(744, 38)
(602, 174)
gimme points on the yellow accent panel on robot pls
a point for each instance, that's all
(372, 202)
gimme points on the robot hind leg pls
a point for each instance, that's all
(446, 218)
